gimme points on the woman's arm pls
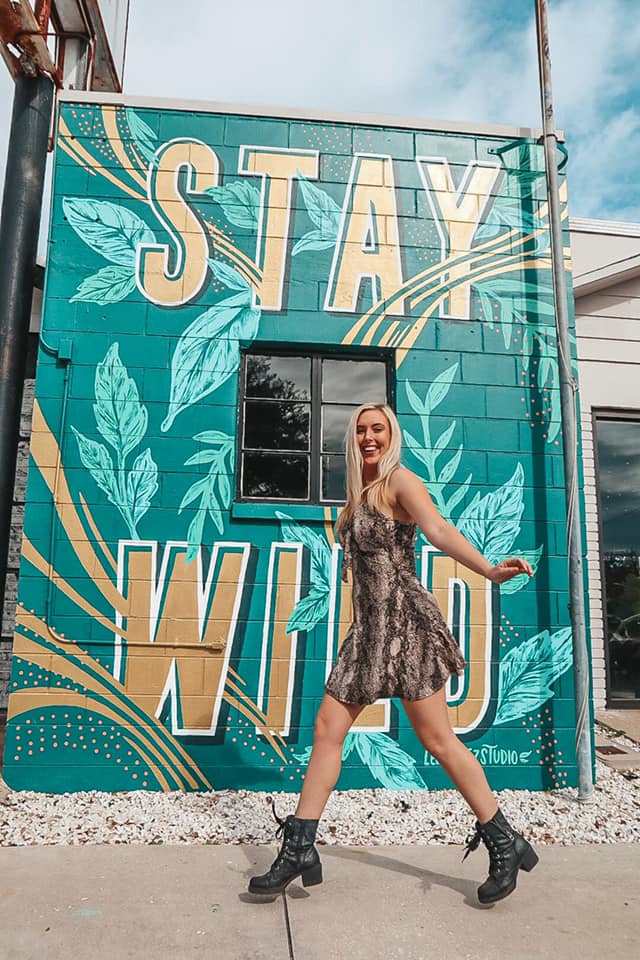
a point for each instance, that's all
(413, 497)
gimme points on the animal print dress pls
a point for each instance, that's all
(398, 644)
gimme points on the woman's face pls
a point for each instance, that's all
(374, 436)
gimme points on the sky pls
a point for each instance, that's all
(451, 60)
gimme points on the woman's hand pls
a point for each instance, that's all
(508, 569)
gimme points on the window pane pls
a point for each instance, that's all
(275, 477)
(269, 425)
(281, 378)
(333, 478)
(619, 488)
(335, 419)
(354, 381)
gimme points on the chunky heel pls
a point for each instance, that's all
(529, 860)
(312, 876)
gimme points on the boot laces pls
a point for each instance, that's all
(473, 842)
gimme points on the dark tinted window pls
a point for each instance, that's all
(295, 412)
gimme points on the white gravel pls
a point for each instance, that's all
(359, 817)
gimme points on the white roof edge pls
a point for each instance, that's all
(302, 113)
(607, 276)
(617, 227)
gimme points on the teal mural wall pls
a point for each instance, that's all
(171, 634)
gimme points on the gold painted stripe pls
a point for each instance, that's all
(62, 664)
(30, 553)
(45, 452)
(115, 142)
(162, 780)
(98, 167)
(93, 526)
(68, 148)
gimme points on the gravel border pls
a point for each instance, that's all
(355, 817)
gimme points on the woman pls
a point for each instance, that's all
(398, 646)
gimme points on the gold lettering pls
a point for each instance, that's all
(368, 246)
(161, 281)
(278, 168)
(457, 214)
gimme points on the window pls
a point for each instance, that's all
(618, 445)
(294, 414)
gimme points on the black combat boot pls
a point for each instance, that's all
(297, 857)
(508, 853)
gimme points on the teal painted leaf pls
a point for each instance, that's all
(213, 490)
(120, 417)
(323, 212)
(440, 388)
(214, 436)
(450, 467)
(240, 202)
(194, 535)
(492, 523)
(506, 212)
(109, 285)
(142, 485)
(418, 448)
(532, 557)
(313, 240)
(97, 459)
(230, 277)
(108, 228)
(444, 438)
(528, 671)
(208, 353)
(414, 400)
(293, 532)
(458, 494)
(392, 766)
(145, 137)
(309, 610)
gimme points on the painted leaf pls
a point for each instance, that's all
(109, 285)
(418, 449)
(111, 230)
(317, 545)
(197, 489)
(240, 202)
(527, 672)
(458, 494)
(506, 212)
(309, 610)
(450, 467)
(492, 523)
(194, 535)
(120, 417)
(97, 459)
(414, 400)
(214, 436)
(142, 484)
(145, 137)
(440, 388)
(392, 766)
(444, 438)
(208, 353)
(323, 211)
(313, 240)
(229, 276)
(224, 489)
(533, 557)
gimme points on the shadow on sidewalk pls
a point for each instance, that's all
(428, 878)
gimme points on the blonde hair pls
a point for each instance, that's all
(375, 493)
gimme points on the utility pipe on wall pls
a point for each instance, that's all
(21, 206)
(568, 394)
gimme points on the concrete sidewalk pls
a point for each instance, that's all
(409, 903)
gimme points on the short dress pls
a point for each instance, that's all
(398, 644)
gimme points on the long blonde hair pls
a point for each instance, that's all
(375, 492)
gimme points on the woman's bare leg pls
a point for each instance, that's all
(333, 722)
(430, 720)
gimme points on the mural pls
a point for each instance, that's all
(173, 635)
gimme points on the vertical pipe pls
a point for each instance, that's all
(568, 394)
(21, 205)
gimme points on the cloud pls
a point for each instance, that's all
(462, 60)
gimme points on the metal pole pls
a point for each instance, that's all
(568, 394)
(21, 205)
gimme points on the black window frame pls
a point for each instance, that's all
(316, 355)
(608, 414)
